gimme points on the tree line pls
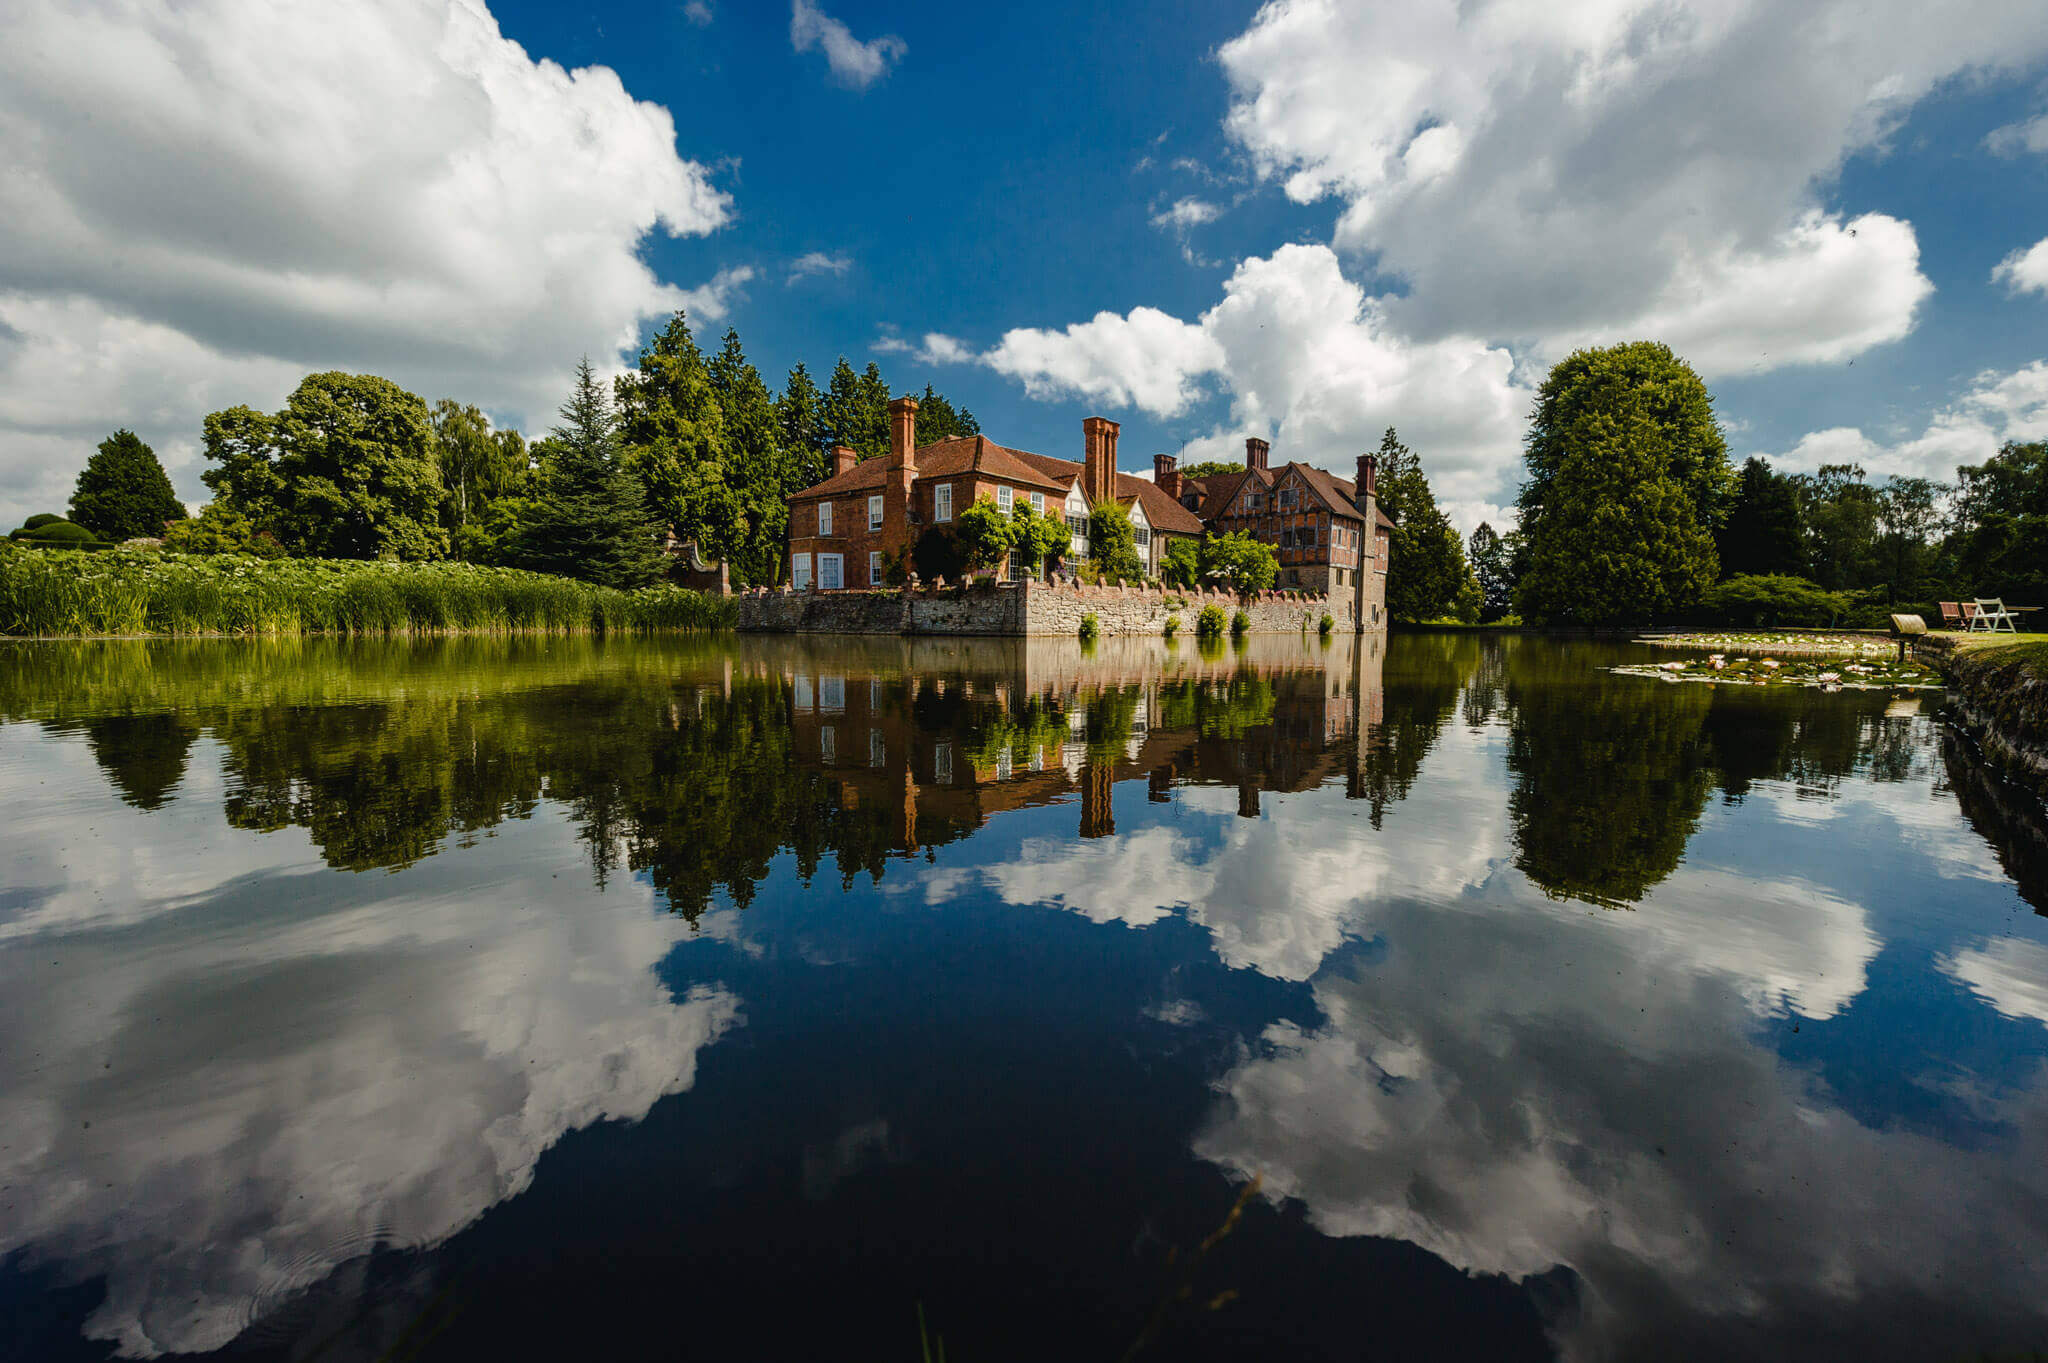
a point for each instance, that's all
(1633, 512)
(355, 467)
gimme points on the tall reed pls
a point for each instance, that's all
(63, 592)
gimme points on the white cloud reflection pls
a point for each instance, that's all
(354, 1059)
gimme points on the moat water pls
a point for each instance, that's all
(743, 998)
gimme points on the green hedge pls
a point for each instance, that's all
(57, 592)
(1771, 599)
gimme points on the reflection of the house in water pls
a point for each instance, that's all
(948, 740)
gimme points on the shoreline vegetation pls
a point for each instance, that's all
(51, 594)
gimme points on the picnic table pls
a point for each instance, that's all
(1984, 615)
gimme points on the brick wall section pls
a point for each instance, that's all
(1032, 608)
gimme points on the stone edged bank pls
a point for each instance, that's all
(1998, 698)
(1024, 609)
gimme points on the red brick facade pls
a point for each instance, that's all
(848, 532)
(879, 507)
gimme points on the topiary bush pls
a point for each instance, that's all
(1240, 622)
(41, 519)
(1209, 624)
(52, 532)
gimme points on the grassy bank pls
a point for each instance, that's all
(59, 593)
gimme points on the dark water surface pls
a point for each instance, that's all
(493, 999)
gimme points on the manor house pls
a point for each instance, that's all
(1329, 534)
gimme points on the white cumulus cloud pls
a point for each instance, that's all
(2025, 271)
(935, 348)
(1146, 359)
(817, 263)
(2014, 138)
(1541, 173)
(855, 64)
(1996, 408)
(247, 192)
(1308, 359)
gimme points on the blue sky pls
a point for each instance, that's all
(1305, 222)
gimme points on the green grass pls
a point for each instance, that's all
(47, 593)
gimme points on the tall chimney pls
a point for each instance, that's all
(1166, 475)
(1098, 477)
(902, 473)
(1255, 452)
(903, 434)
(1368, 478)
(843, 458)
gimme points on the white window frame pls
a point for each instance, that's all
(831, 572)
(800, 572)
(874, 567)
(1006, 497)
(942, 502)
(875, 512)
(824, 520)
(1038, 503)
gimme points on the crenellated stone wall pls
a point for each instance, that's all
(1034, 608)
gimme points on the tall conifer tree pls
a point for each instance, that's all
(123, 492)
(590, 518)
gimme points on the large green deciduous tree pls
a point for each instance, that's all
(123, 492)
(1113, 543)
(347, 470)
(1999, 525)
(1427, 575)
(589, 517)
(1238, 561)
(1628, 478)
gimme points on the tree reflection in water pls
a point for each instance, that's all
(697, 767)
(1359, 975)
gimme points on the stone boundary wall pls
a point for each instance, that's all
(1031, 608)
(1998, 698)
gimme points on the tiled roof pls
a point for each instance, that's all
(1161, 511)
(979, 454)
(940, 459)
(1339, 495)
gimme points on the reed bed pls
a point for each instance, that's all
(46, 592)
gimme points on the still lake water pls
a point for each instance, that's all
(563, 999)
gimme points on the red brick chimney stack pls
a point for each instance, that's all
(903, 434)
(1166, 475)
(843, 458)
(902, 473)
(1368, 477)
(1098, 477)
(1255, 451)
